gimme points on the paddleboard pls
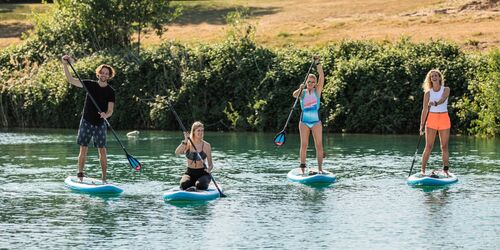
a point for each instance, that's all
(175, 194)
(440, 180)
(92, 186)
(325, 178)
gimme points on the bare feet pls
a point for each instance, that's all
(434, 174)
(446, 173)
(312, 172)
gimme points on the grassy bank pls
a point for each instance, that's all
(471, 24)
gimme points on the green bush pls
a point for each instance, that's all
(380, 91)
(371, 87)
(479, 109)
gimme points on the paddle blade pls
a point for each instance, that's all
(279, 139)
(134, 163)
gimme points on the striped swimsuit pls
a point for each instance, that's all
(310, 108)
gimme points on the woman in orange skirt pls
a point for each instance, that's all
(438, 122)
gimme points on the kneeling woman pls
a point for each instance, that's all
(197, 175)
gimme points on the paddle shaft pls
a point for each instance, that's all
(418, 145)
(98, 108)
(297, 98)
(194, 147)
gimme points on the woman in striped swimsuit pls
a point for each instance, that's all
(309, 119)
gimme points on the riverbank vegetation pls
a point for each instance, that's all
(237, 83)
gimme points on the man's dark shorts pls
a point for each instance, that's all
(88, 131)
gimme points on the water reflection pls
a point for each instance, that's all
(319, 186)
(429, 189)
(311, 194)
(103, 196)
(99, 215)
(188, 204)
(439, 218)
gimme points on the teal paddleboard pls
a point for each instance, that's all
(176, 194)
(425, 180)
(91, 186)
(325, 178)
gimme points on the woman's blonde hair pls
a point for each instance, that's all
(428, 82)
(313, 76)
(194, 127)
(110, 69)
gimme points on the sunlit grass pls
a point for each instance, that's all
(20, 12)
(304, 24)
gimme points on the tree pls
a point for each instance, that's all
(151, 13)
(102, 24)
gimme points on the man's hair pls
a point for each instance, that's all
(111, 70)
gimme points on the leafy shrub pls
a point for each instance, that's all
(371, 87)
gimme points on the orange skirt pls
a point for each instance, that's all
(438, 121)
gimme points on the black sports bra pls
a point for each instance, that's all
(194, 156)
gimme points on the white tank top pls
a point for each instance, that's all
(434, 97)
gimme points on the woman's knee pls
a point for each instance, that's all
(303, 145)
(201, 185)
(203, 182)
(319, 147)
(320, 152)
(444, 148)
(185, 185)
(185, 182)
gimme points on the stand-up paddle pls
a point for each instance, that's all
(134, 163)
(280, 138)
(194, 147)
(418, 145)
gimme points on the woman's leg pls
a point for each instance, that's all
(430, 136)
(186, 182)
(317, 132)
(304, 141)
(444, 136)
(203, 182)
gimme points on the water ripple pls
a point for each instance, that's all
(370, 206)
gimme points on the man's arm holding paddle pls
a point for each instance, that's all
(65, 59)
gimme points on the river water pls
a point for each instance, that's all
(370, 205)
